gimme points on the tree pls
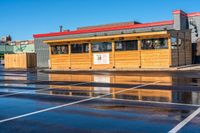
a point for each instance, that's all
(8, 38)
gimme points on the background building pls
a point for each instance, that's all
(12, 47)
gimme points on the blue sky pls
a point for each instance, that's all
(23, 18)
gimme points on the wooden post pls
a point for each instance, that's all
(184, 49)
(113, 55)
(139, 49)
(178, 48)
(49, 62)
(69, 51)
(170, 51)
(90, 55)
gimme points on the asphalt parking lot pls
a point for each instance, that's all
(99, 102)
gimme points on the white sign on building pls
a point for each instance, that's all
(101, 58)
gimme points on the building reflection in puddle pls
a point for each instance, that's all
(164, 80)
(136, 94)
(20, 77)
(92, 91)
(101, 90)
(163, 92)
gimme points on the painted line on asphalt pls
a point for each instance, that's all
(118, 99)
(24, 92)
(155, 102)
(72, 103)
(184, 122)
(115, 99)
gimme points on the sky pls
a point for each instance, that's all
(23, 18)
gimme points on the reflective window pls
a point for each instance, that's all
(174, 43)
(101, 46)
(80, 48)
(126, 45)
(54, 50)
(181, 43)
(59, 49)
(160, 43)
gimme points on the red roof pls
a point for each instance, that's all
(102, 29)
(186, 14)
(193, 14)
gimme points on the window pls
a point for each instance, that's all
(160, 43)
(180, 43)
(101, 46)
(126, 45)
(80, 48)
(64, 49)
(174, 43)
(53, 50)
(59, 49)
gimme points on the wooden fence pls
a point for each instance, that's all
(22, 60)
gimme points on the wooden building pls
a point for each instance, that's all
(181, 21)
(21, 60)
(154, 49)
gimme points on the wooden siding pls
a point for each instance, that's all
(127, 59)
(31, 60)
(155, 58)
(59, 62)
(24, 60)
(182, 54)
(80, 61)
(188, 53)
(175, 61)
(118, 60)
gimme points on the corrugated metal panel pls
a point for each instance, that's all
(42, 51)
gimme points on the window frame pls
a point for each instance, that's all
(124, 43)
(174, 44)
(100, 46)
(83, 50)
(60, 49)
(153, 44)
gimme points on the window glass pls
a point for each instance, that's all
(160, 43)
(80, 48)
(181, 43)
(53, 50)
(126, 45)
(64, 49)
(59, 49)
(101, 46)
(174, 42)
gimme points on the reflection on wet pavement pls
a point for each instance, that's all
(171, 88)
(152, 108)
(166, 91)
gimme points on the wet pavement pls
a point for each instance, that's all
(98, 102)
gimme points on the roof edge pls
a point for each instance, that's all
(134, 26)
(193, 14)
